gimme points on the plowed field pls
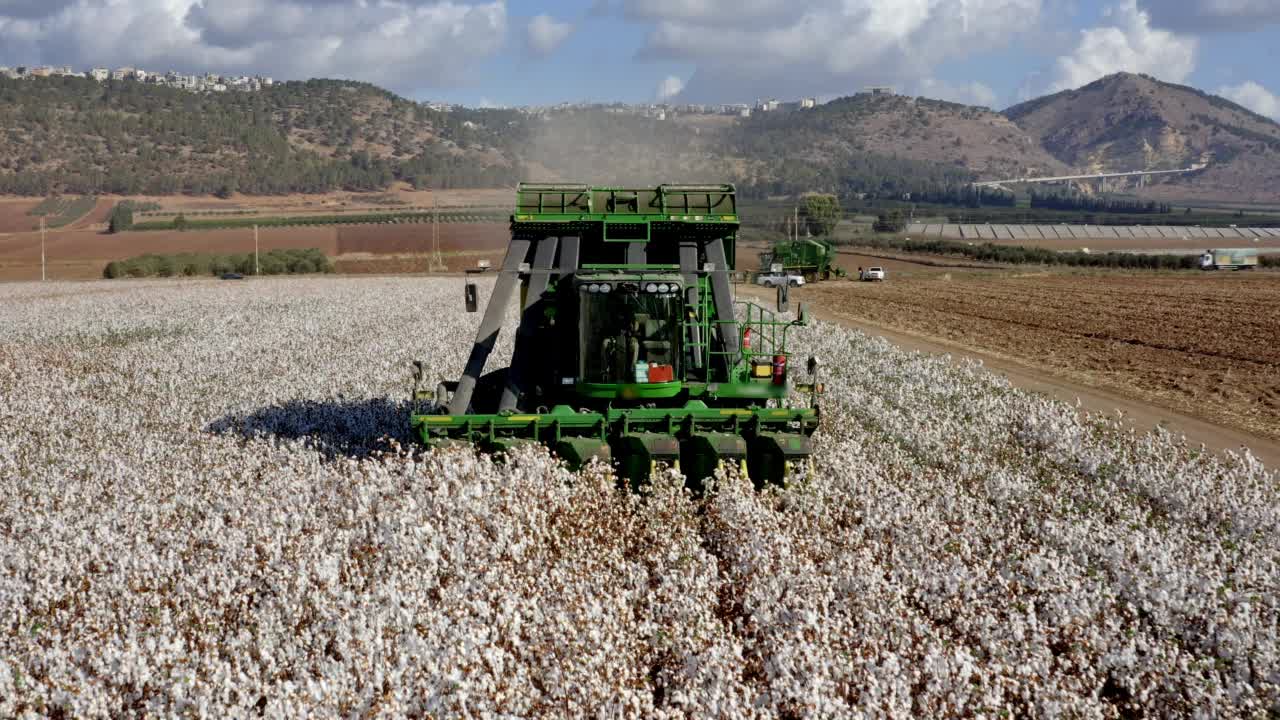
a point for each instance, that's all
(14, 217)
(416, 238)
(98, 217)
(81, 254)
(1208, 345)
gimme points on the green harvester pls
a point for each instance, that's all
(630, 348)
(811, 257)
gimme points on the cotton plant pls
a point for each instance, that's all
(211, 506)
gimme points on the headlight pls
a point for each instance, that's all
(605, 287)
(593, 287)
(651, 287)
(664, 288)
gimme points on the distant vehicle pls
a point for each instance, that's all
(1229, 259)
(810, 257)
(776, 279)
(231, 276)
(873, 273)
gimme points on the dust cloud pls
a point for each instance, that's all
(601, 148)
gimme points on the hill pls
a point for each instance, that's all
(1127, 122)
(78, 136)
(975, 139)
(764, 156)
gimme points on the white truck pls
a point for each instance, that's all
(776, 279)
(1229, 259)
(871, 274)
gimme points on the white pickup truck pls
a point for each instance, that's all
(776, 279)
(873, 273)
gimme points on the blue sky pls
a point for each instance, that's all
(517, 52)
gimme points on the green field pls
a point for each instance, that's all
(182, 222)
(62, 210)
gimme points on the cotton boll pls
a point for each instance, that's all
(213, 506)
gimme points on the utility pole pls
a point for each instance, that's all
(255, 249)
(437, 262)
(795, 223)
(43, 276)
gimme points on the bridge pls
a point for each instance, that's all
(999, 184)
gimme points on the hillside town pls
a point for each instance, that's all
(208, 82)
(212, 82)
(659, 110)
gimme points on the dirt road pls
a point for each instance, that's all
(1139, 414)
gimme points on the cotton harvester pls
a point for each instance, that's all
(629, 348)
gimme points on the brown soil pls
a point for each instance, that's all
(82, 254)
(97, 218)
(911, 266)
(14, 217)
(416, 238)
(1202, 344)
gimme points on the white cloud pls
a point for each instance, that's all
(402, 44)
(1255, 97)
(544, 34)
(749, 48)
(1127, 43)
(670, 87)
(973, 93)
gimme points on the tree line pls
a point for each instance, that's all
(271, 262)
(1085, 203)
(1020, 254)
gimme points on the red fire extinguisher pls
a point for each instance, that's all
(779, 369)
(746, 339)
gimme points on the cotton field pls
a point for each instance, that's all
(209, 507)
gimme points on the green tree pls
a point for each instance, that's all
(121, 218)
(890, 222)
(822, 212)
(180, 222)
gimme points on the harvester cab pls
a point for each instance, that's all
(630, 346)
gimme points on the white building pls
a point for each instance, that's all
(100, 74)
(123, 73)
(808, 103)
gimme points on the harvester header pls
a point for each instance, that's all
(631, 347)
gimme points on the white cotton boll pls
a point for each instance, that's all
(227, 536)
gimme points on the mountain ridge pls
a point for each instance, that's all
(78, 136)
(1128, 121)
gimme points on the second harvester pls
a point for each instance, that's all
(630, 347)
